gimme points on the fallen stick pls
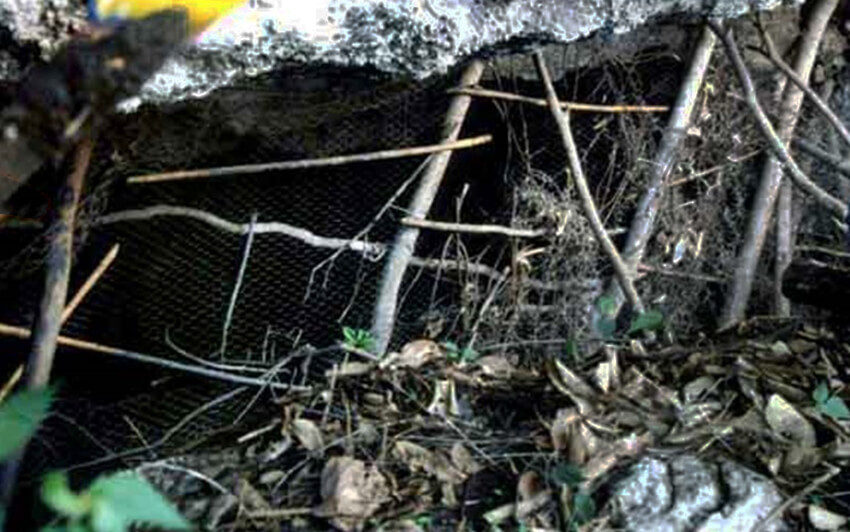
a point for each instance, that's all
(569, 106)
(95, 276)
(368, 249)
(48, 320)
(58, 264)
(298, 233)
(779, 149)
(834, 161)
(339, 160)
(22, 333)
(742, 280)
(665, 159)
(386, 303)
(620, 269)
(801, 83)
(478, 229)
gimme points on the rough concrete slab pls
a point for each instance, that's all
(407, 37)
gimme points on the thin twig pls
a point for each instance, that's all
(279, 513)
(188, 418)
(386, 304)
(95, 276)
(308, 237)
(779, 149)
(478, 229)
(243, 266)
(23, 333)
(497, 286)
(11, 383)
(649, 205)
(742, 280)
(802, 84)
(588, 205)
(569, 106)
(833, 160)
(371, 250)
(361, 235)
(790, 501)
(338, 160)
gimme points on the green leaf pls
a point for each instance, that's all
(20, 416)
(571, 349)
(58, 497)
(607, 305)
(584, 508)
(468, 355)
(349, 334)
(651, 320)
(821, 393)
(606, 327)
(835, 408)
(124, 499)
(567, 474)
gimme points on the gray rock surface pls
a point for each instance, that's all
(686, 493)
(410, 37)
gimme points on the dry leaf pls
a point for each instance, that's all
(496, 366)
(787, 422)
(350, 369)
(823, 519)
(562, 428)
(406, 525)
(444, 403)
(351, 493)
(463, 460)
(418, 458)
(251, 498)
(571, 385)
(530, 484)
(308, 434)
(694, 390)
(413, 355)
(572, 436)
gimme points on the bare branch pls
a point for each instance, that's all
(742, 280)
(49, 322)
(620, 268)
(386, 303)
(308, 237)
(22, 333)
(802, 84)
(569, 106)
(478, 229)
(95, 276)
(338, 160)
(834, 205)
(664, 162)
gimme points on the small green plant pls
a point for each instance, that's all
(606, 324)
(20, 416)
(424, 521)
(360, 339)
(583, 507)
(829, 404)
(455, 353)
(651, 320)
(112, 503)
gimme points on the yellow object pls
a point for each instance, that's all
(202, 13)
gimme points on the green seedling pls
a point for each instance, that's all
(360, 339)
(829, 404)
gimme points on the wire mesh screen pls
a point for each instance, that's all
(171, 287)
